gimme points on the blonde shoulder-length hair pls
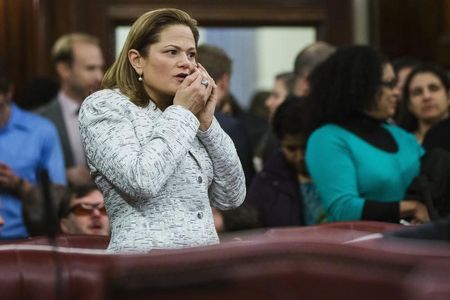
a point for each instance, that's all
(145, 31)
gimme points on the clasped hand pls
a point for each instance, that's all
(200, 99)
(8, 179)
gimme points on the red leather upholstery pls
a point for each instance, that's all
(30, 272)
(295, 263)
(74, 241)
(338, 232)
(273, 269)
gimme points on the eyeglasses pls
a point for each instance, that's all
(83, 209)
(391, 84)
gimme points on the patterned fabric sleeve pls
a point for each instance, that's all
(113, 149)
(228, 187)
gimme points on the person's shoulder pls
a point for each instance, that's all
(329, 137)
(34, 121)
(111, 95)
(47, 108)
(106, 98)
(437, 136)
(400, 133)
(328, 131)
(441, 127)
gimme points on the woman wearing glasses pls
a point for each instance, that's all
(361, 164)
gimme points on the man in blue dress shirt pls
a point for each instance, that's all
(28, 144)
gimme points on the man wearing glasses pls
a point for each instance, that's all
(85, 213)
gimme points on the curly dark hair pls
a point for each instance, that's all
(345, 84)
(406, 119)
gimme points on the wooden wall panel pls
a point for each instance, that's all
(17, 40)
(28, 28)
(412, 28)
(443, 46)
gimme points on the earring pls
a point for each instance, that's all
(140, 78)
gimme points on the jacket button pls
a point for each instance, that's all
(200, 215)
(200, 179)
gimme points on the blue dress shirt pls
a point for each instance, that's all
(28, 143)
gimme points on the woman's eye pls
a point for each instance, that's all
(416, 92)
(434, 87)
(192, 55)
(172, 52)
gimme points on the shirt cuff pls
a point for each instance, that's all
(381, 211)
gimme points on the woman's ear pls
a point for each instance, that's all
(136, 60)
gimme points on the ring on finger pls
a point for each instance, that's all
(204, 82)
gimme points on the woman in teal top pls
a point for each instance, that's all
(361, 164)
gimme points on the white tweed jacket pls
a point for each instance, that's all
(158, 173)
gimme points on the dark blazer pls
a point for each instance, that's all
(53, 112)
(437, 136)
(432, 185)
(237, 132)
(275, 193)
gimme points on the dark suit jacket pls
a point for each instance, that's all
(437, 136)
(52, 111)
(238, 135)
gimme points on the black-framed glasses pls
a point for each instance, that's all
(391, 84)
(83, 209)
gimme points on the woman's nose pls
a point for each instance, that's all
(184, 61)
(426, 94)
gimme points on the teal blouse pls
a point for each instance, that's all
(347, 170)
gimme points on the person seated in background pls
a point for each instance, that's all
(361, 164)
(28, 145)
(283, 193)
(426, 99)
(219, 66)
(84, 212)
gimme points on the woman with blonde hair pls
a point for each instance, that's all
(152, 143)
